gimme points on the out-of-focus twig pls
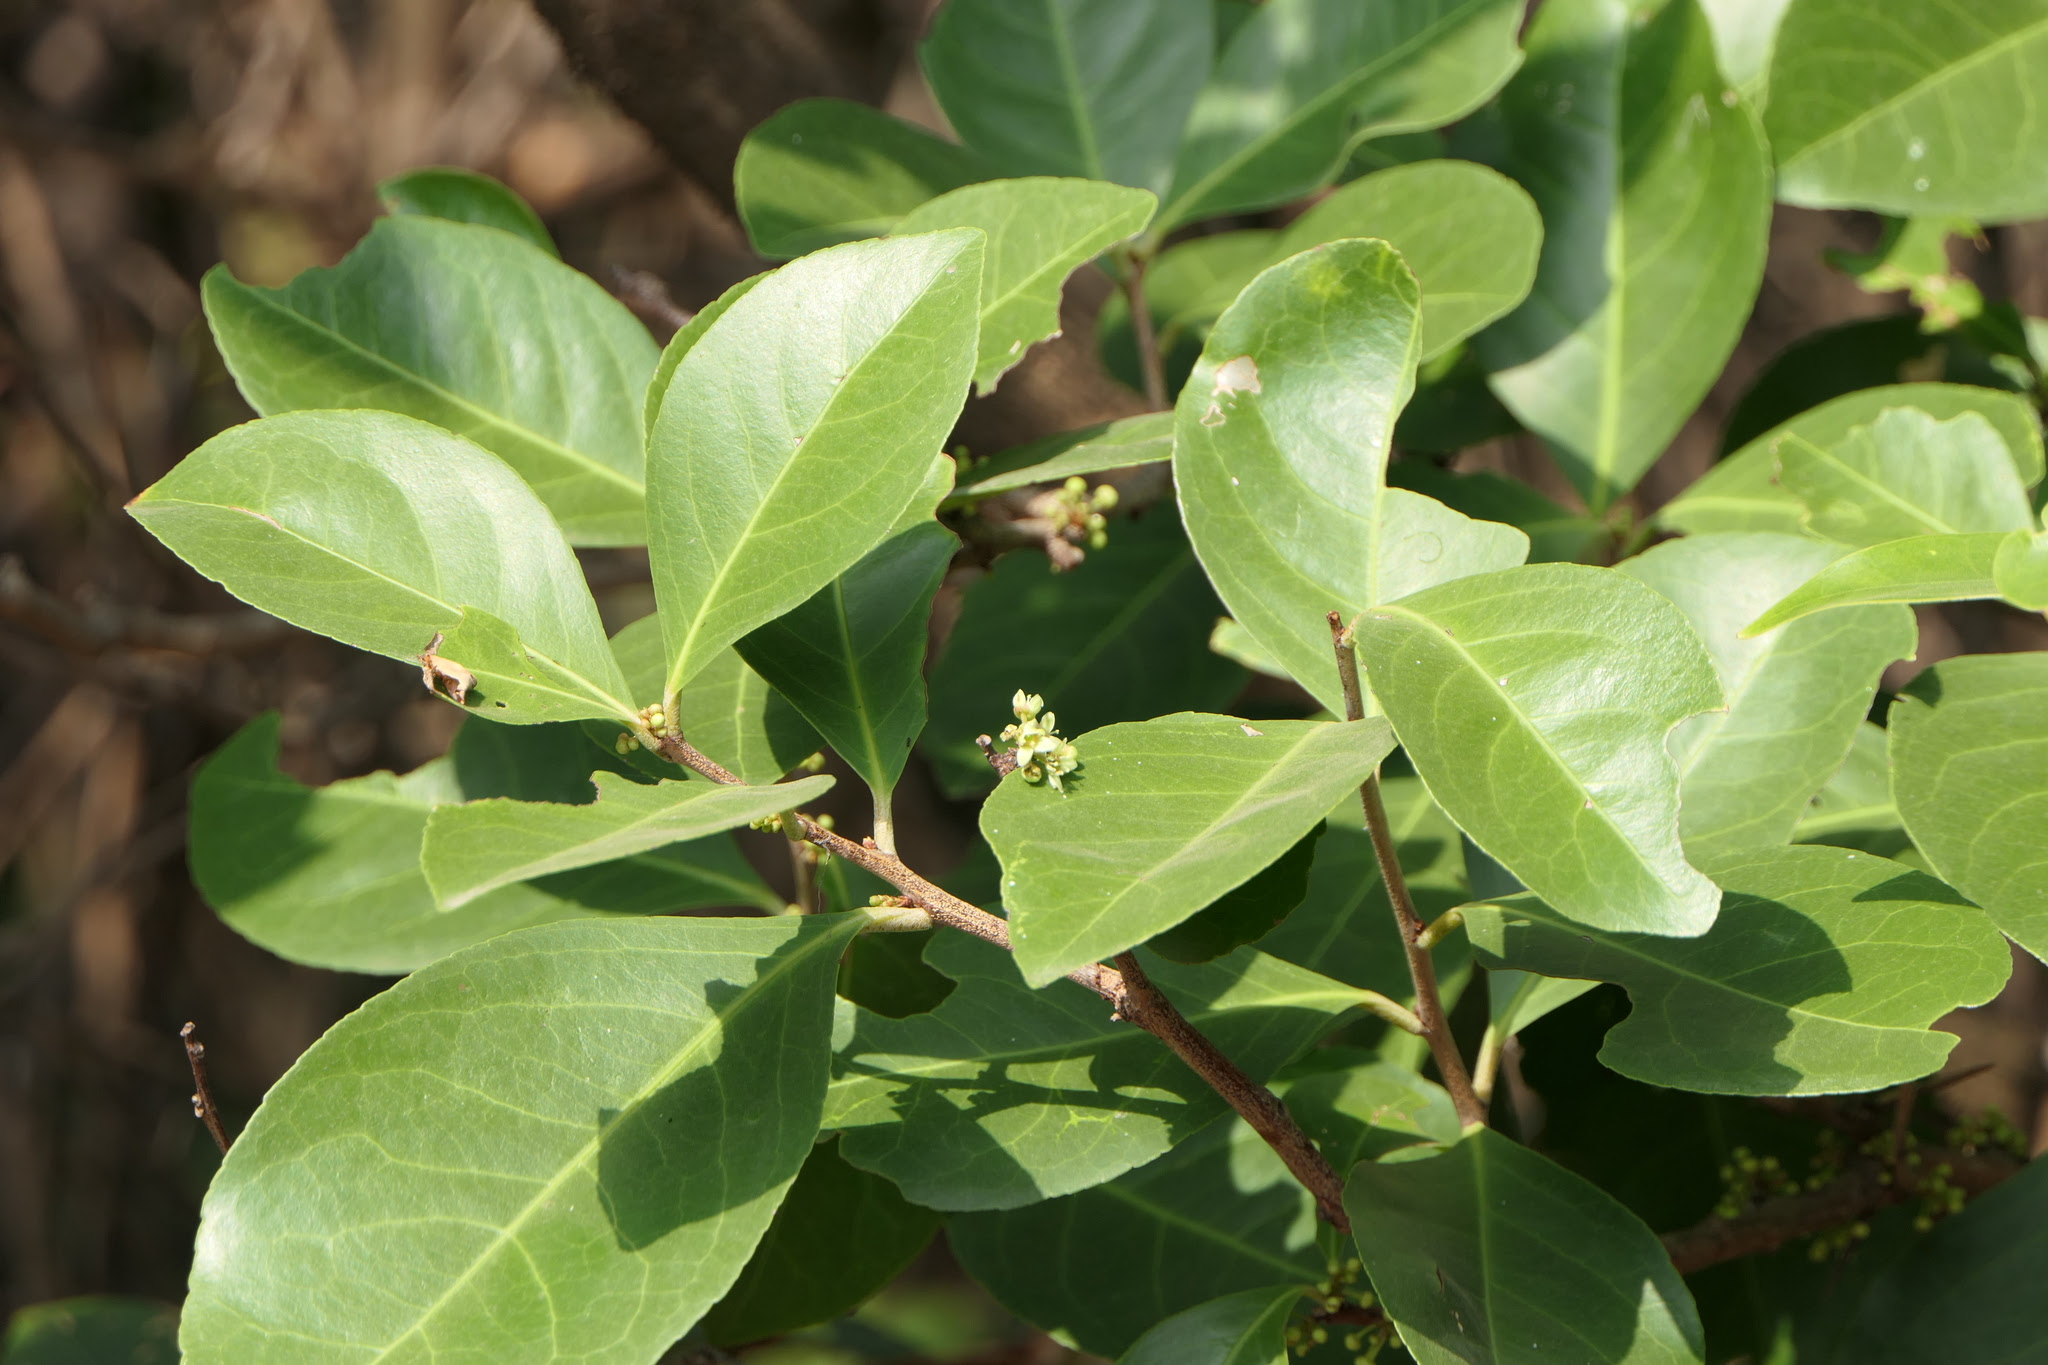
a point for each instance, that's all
(98, 626)
(647, 295)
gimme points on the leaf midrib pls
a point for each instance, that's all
(1221, 1237)
(484, 416)
(1858, 478)
(1070, 79)
(712, 1027)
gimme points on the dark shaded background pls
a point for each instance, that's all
(141, 141)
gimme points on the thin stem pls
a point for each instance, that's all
(1393, 1011)
(1439, 929)
(1124, 986)
(1429, 1005)
(1486, 1067)
(1151, 366)
(202, 1095)
(802, 866)
(1144, 1006)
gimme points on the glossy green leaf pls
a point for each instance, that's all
(1303, 82)
(1918, 569)
(851, 659)
(1655, 186)
(1217, 1215)
(1239, 1329)
(1163, 817)
(1969, 758)
(1796, 697)
(1144, 439)
(1003, 1096)
(378, 530)
(1821, 975)
(1280, 447)
(686, 337)
(1557, 535)
(586, 1113)
(1905, 474)
(97, 1329)
(1741, 493)
(1492, 1254)
(330, 876)
(1515, 1000)
(811, 415)
(473, 330)
(1246, 913)
(823, 171)
(477, 847)
(1471, 235)
(1092, 88)
(1187, 287)
(1040, 230)
(1919, 107)
(1120, 637)
(1536, 704)
(1967, 1291)
(840, 1235)
(1855, 809)
(2020, 569)
(728, 711)
(464, 196)
(1233, 641)
(1869, 353)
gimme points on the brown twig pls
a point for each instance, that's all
(646, 293)
(98, 626)
(1125, 986)
(1429, 1005)
(1865, 1188)
(202, 1095)
(1151, 366)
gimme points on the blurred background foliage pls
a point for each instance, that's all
(141, 141)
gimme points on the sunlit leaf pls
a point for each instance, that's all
(464, 196)
(1905, 474)
(1917, 569)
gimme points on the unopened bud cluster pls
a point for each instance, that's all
(1042, 756)
(1083, 510)
(653, 719)
(1334, 1296)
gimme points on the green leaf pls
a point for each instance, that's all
(1217, 1215)
(1918, 569)
(822, 171)
(1969, 759)
(728, 711)
(1247, 913)
(840, 1235)
(1905, 474)
(1239, 1329)
(1655, 187)
(2020, 569)
(330, 876)
(1796, 697)
(1040, 230)
(580, 1114)
(1556, 534)
(1119, 637)
(1280, 447)
(98, 1329)
(1536, 704)
(1741, 493)
(1303, 82)
(1491, 1253)
(516, 684)
(686, 337)
(378, 530)
(1965, 1291)
(851, 659)
(1470, 234)
(1515, 1000)
(1144, 439)
(421, 318)
(1092, 88)
(1744, 31)
(815, 407)
(463, 196)
(1163, 817)
(1234, 642)
(1187, 287)
(1821, 975)
(1917, 108)
(1003, 1096)
(1855, 809)
(480, 846)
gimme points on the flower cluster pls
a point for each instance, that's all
(653, 719)
(1042, 756)
(1076, 508)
